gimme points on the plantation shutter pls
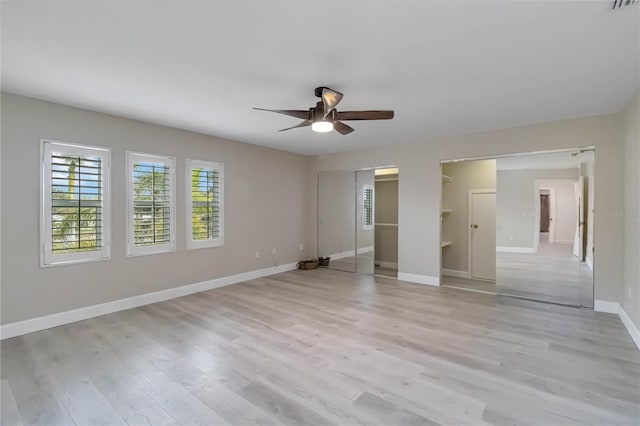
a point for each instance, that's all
(76, 203)
(367, 206)
(151, 204)
(205, 203)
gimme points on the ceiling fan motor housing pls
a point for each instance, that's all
(318, 91)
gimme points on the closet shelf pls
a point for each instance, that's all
(446, 211)
(445, 244)
(393, 225)
(446, 178)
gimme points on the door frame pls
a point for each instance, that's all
(469, 224)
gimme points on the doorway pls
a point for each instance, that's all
(544, 210)
(386, 222)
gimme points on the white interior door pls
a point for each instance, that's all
(482, 216)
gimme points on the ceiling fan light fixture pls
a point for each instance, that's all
(322, 126)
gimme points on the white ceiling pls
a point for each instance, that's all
(445, 67)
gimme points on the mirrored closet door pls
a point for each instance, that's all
(337, 219)
(520, 225)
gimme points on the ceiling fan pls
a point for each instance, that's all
(324, 117)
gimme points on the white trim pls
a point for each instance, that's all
(605, 306)
(349, 253)
(342, 255)
(47, 258)
(385, 264)
(419, 279)
(456, 273)
(214, 242)
(589, 263)
(41, 323)
(169, 247)
(616, 308)
(522, 250)
(631, 327)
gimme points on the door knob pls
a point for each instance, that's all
(475, 226)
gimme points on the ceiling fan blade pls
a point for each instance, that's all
(298, 113)
(364, 115)
(342, 128)
(305, 123)
(330, 98)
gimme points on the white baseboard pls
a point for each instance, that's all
(342, 255)
(522, 250)
(606, 307)
(631, 327)
(419, 279)
(589, 263)
(385, 264)
(54, 320)
(616, 308)
(350, 253)
(456, 273)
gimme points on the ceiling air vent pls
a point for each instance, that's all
(619, 3)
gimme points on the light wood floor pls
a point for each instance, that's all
(553, 274)
(327, 347)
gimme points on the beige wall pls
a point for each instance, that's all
(386, 237)
(265, 205)
(516, 224)
(466, 175)
(420, 187)
(631, 127)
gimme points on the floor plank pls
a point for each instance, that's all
(9, 414)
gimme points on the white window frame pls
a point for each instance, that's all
(132, 250)
(47, 257)
(366, 227)
(214, 242)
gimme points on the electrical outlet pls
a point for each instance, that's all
(257, 255)
(628, 292)
(511, 238)
(273, 251)
(301, 246)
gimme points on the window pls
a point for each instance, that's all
(75, 203)
(150, 204)
(367, 207)
(205, 209)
